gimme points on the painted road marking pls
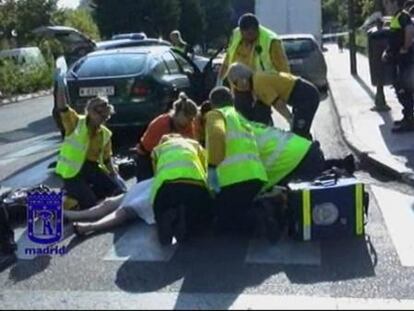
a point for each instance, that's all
(285, 251)
(140, 243)
(44, 299)
(398, 212)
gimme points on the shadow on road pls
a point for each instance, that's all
(33, 129)
(25, 269)
(213, 265)
(25, 175)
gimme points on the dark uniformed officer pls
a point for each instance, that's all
(400, 52)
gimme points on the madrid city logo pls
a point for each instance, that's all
(45, 222)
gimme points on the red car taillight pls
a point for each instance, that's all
(140, 90)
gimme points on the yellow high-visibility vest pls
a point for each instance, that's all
(74, 148)
(242, 161)
(280, 151)
(262, 50)
(176, 159)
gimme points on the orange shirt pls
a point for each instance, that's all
(160, 126)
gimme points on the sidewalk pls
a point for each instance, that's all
(367, 132)
(18, 98)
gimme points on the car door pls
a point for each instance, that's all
(202, 80)
(75, 43)
(176, 76)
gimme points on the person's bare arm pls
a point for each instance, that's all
(278, 56)
(61, 98)
(224, 67)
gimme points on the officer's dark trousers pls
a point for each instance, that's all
(234, 207)
(191, 201)
(91, 185)
(404, 96)
(144, 167)
(304, 100)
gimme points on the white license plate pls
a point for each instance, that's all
(96, 91)
(296, 61)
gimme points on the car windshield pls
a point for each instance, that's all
(111, 65)
(298, 46)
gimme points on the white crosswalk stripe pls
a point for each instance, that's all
(168, 301)
(140, 243)
(398, 213)
(285, 251)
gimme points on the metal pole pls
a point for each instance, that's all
(380, 102)
(352, 45)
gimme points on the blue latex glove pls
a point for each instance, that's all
(212, 180)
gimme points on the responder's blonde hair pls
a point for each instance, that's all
(239, 71)
(185, 105)
(99, 101)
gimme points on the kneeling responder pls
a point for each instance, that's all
(277, 89)
(232, 151)
(285, 156)
(84, 160)
(180, 119)
(180, 196)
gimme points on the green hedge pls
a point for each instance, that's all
(16, 79)
(361, 42)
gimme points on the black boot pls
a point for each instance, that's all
(347, 164)
(406, 125)
(7, 244)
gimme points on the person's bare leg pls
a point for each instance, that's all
(111, 220)
(97, 212)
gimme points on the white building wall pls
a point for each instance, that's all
(291, 16)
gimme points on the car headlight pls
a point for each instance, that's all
(325, 214)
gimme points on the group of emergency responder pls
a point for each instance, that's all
(209, 164)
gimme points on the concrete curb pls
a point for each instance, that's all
(19, 98)
(389, 166)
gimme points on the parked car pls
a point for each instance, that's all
(140, 77)
(141, 82)
(27, 58)
(306, 58)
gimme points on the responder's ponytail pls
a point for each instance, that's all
(185, 105)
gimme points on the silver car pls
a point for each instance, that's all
(306, 58)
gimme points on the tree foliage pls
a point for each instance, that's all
(31, 14)
(154, 17)
(79, 19)
(336, 11)
(192, 21)
(218, 20)
(200, 21)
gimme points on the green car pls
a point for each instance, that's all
(141, 77)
